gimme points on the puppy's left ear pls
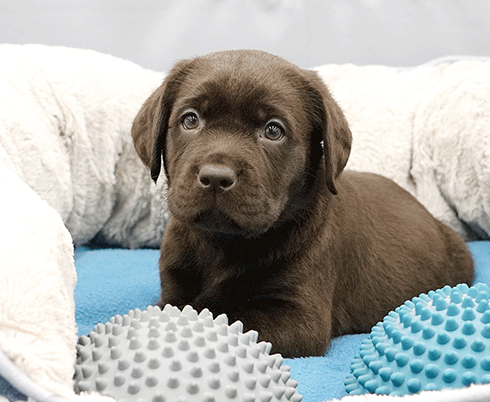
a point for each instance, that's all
(331, 126)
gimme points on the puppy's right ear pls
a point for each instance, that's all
(150, 126)
(331, 126)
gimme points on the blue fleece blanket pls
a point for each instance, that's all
(114, 281)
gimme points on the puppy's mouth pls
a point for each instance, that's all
(245, 210)
(214, 220)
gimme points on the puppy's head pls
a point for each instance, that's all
(242, 135)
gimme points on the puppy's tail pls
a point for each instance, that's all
(460, 265)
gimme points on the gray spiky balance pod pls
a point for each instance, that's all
(438, 340)
(173, 355)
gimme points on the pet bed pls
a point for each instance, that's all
(69, 174)
(114, 281)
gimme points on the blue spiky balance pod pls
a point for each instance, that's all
(438, 340)
(180, 356)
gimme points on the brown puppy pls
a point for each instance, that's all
(264, 227)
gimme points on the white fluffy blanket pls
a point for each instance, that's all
(69, 173)
(428, 129)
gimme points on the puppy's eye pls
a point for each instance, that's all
(190, 121)
(274, 131)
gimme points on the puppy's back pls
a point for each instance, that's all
(399, 251)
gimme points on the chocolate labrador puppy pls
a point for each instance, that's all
(265, 226)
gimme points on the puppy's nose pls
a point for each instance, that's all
(216, 178)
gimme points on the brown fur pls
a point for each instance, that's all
(292, 247)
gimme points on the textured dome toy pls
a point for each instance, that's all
(173, 355)
(438, 340)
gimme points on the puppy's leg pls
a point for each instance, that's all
(293, 332)
(293, 327)
(179, 288)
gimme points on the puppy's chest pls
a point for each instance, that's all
(234, 270)
(231, 266)
(242, 271)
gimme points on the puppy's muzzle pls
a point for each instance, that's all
(217, 178)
